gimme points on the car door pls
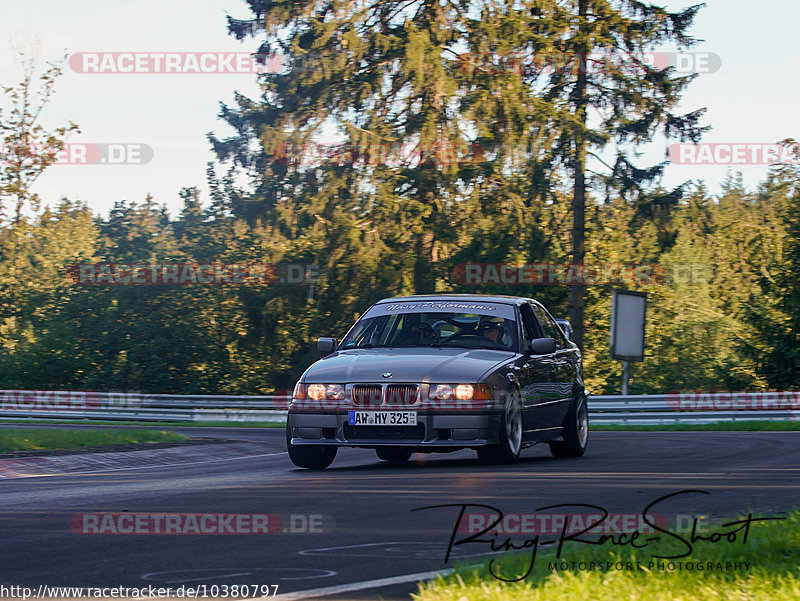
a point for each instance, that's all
(536, 376)
(564, 362)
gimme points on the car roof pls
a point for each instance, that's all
(488, 298)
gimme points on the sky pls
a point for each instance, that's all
(145, 133)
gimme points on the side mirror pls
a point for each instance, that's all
(543, 346)
(326, 346)
(566, 327)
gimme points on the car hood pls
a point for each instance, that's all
(437, 365)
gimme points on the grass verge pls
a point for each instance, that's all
(18, 439)
(743, 426)
(768, 561)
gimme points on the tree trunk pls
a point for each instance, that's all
(578, 244)
(424, 272)
(576, 301)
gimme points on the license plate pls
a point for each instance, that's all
(382, 418)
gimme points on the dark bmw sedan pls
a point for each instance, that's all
(422, 374)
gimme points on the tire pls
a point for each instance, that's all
(312, 457)
(576, 432)
(508, 450)
(394, 454)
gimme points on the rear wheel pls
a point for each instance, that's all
(507, 451)
(313, 457)
(576, 432)
(393, 454)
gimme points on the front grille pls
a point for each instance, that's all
(402, 395)
(415, 433)
(367, 395)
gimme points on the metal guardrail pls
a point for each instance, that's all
(118, 406)
(696, 408)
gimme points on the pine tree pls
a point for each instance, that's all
(605, 42)
(472, 88)
(774, 301)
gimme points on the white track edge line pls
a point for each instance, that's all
(356, 586)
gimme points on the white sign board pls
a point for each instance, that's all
(627, 325)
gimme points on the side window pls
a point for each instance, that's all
(529, 327)
(550, 328)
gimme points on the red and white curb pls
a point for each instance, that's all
(98, 462)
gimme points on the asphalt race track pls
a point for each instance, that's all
(372, 532)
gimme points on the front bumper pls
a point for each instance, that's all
(433, 430)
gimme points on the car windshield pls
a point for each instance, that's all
(467, 330)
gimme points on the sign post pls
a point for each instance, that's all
(627, 329)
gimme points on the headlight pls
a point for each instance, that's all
(464, 392)
(320, 392)
(460, 392)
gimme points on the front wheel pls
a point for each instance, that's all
(576, 432)
(313, 457)
(510, 445)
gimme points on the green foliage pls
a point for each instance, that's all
(455, 147)
(721, 317)
(28, 147)
(777, 289)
